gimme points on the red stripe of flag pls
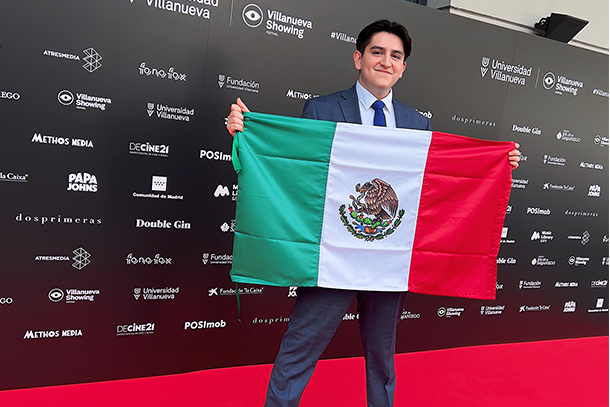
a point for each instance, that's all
(463, 202)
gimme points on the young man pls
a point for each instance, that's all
(382, 49)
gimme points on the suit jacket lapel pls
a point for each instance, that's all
(349, 106)
(402, 120)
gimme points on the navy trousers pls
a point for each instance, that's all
(316, 316)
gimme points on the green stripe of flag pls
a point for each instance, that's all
(280, 242)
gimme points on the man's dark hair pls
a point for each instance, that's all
(392, 27)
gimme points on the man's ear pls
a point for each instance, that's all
(358, 60)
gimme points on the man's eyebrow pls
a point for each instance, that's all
(377, 47)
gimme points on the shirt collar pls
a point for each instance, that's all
(366, 98)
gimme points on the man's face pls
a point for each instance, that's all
(382, 63)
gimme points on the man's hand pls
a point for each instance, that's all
(513, 156)
(235, 120)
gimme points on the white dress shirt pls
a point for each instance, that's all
(366, 99)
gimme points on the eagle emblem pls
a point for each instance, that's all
(375, 218)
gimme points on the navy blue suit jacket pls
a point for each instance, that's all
(343, 107)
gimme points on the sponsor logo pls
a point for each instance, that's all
(81, 258)
(350, 317)
(213, 258)
(534, 308)
(542, 261)
(506, 260)
(205, 324)
(222, 190)
(238, 84)
(60, 333)
(599, 306)
(214, 155)
(561, 84)
(219, 291)
(526, 285)
(181, 114)
(185, 9)
(591, 166)
(377, 217)
(270, 321)
(252, 15)
(56, 295)
(409, 315)
(558, 187)
(292, 291)
(13, 177)
(156, 294)
(6, 300)
(159, 183)
(83, 100)
(584, 238)
(225, 227)
(72, 295)
(156, 260)
(92, 58)
(594, 191)
(504, 236)
(565, 135)
(277, 22)
(154, 150)
(566, 284)
(543, 236)
(569, 306)
(9, 95)
(600, 141)
(82, 182)
(57, 219)
(295, 94)
(552, 160)
(147, 328)
(599, 283)
(526, 130)
(170, 74)
(341, 36)
(520, 183)
(61, 141)
(492, 309)
(162, 224)
(501, 71)
(473, 120)
(428, 114)
(449, 312)
(584, 214)
(538, 211)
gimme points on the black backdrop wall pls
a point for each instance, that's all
(112, 119)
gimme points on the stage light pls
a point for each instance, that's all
(560, 27)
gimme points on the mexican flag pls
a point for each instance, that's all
(355, 207)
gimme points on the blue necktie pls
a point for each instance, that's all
(379, 118)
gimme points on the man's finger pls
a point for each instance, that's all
(242, 105)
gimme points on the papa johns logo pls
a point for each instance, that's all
(380, 203)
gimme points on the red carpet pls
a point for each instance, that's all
(572, 372)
